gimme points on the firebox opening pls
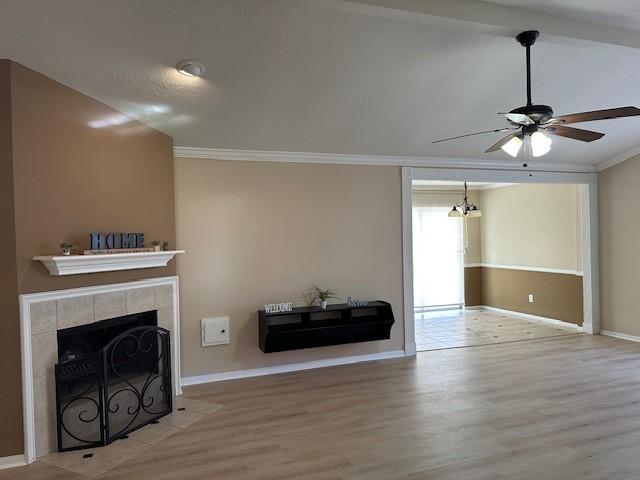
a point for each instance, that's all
(112, 377)
(86, 341)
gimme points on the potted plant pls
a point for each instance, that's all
(165, 245)
(156, 245)
(322, 296)
(65, 247)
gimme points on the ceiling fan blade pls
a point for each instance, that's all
(500, 143)
(476, 133)
(574, 133)
(596, 115)
(519, 118)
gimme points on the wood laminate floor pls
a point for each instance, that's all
(560, 408)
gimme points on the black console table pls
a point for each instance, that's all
(309, 327)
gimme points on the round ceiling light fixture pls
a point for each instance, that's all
(190, 68)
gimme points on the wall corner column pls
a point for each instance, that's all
(590, 256)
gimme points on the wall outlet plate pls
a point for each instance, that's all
(215, 331)
(531, 298)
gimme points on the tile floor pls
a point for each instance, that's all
(93, 462)
(467, 328)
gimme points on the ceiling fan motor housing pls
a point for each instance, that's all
(537, 113)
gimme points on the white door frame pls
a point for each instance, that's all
(589, 190)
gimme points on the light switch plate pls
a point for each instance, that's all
(215, 331)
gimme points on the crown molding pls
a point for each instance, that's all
(401, 161)
(618, 159)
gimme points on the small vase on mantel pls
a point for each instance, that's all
(323, 304)
(65, 247)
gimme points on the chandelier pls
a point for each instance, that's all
(465, 209)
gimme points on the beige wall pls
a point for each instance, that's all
(264, 232)
(71, 179)
(532, 225)
(60, 180)
(548, 236)
(619, 247)
(432, 198)
(556, 295)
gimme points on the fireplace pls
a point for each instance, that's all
(43, 314)
(112, 377)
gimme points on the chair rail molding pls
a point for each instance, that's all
(564, 271)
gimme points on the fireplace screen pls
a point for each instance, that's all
(104, 394)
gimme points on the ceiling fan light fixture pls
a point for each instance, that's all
(540, 144)
(512, 147)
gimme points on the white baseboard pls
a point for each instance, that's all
(553, 321)
(439, 308)
(12, 461)
(291, 367)
(623, 336)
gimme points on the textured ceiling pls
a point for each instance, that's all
(294, 76)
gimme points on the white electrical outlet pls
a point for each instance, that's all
(531, 298)
(215, 331)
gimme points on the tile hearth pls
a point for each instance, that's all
(96, 461)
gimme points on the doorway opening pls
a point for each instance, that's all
(498, 263)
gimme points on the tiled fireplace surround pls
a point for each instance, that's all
(42, 314)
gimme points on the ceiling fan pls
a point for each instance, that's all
(533, 122)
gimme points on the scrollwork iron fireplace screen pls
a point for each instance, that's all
(125, 385)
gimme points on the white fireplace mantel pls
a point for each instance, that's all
(76, 264)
